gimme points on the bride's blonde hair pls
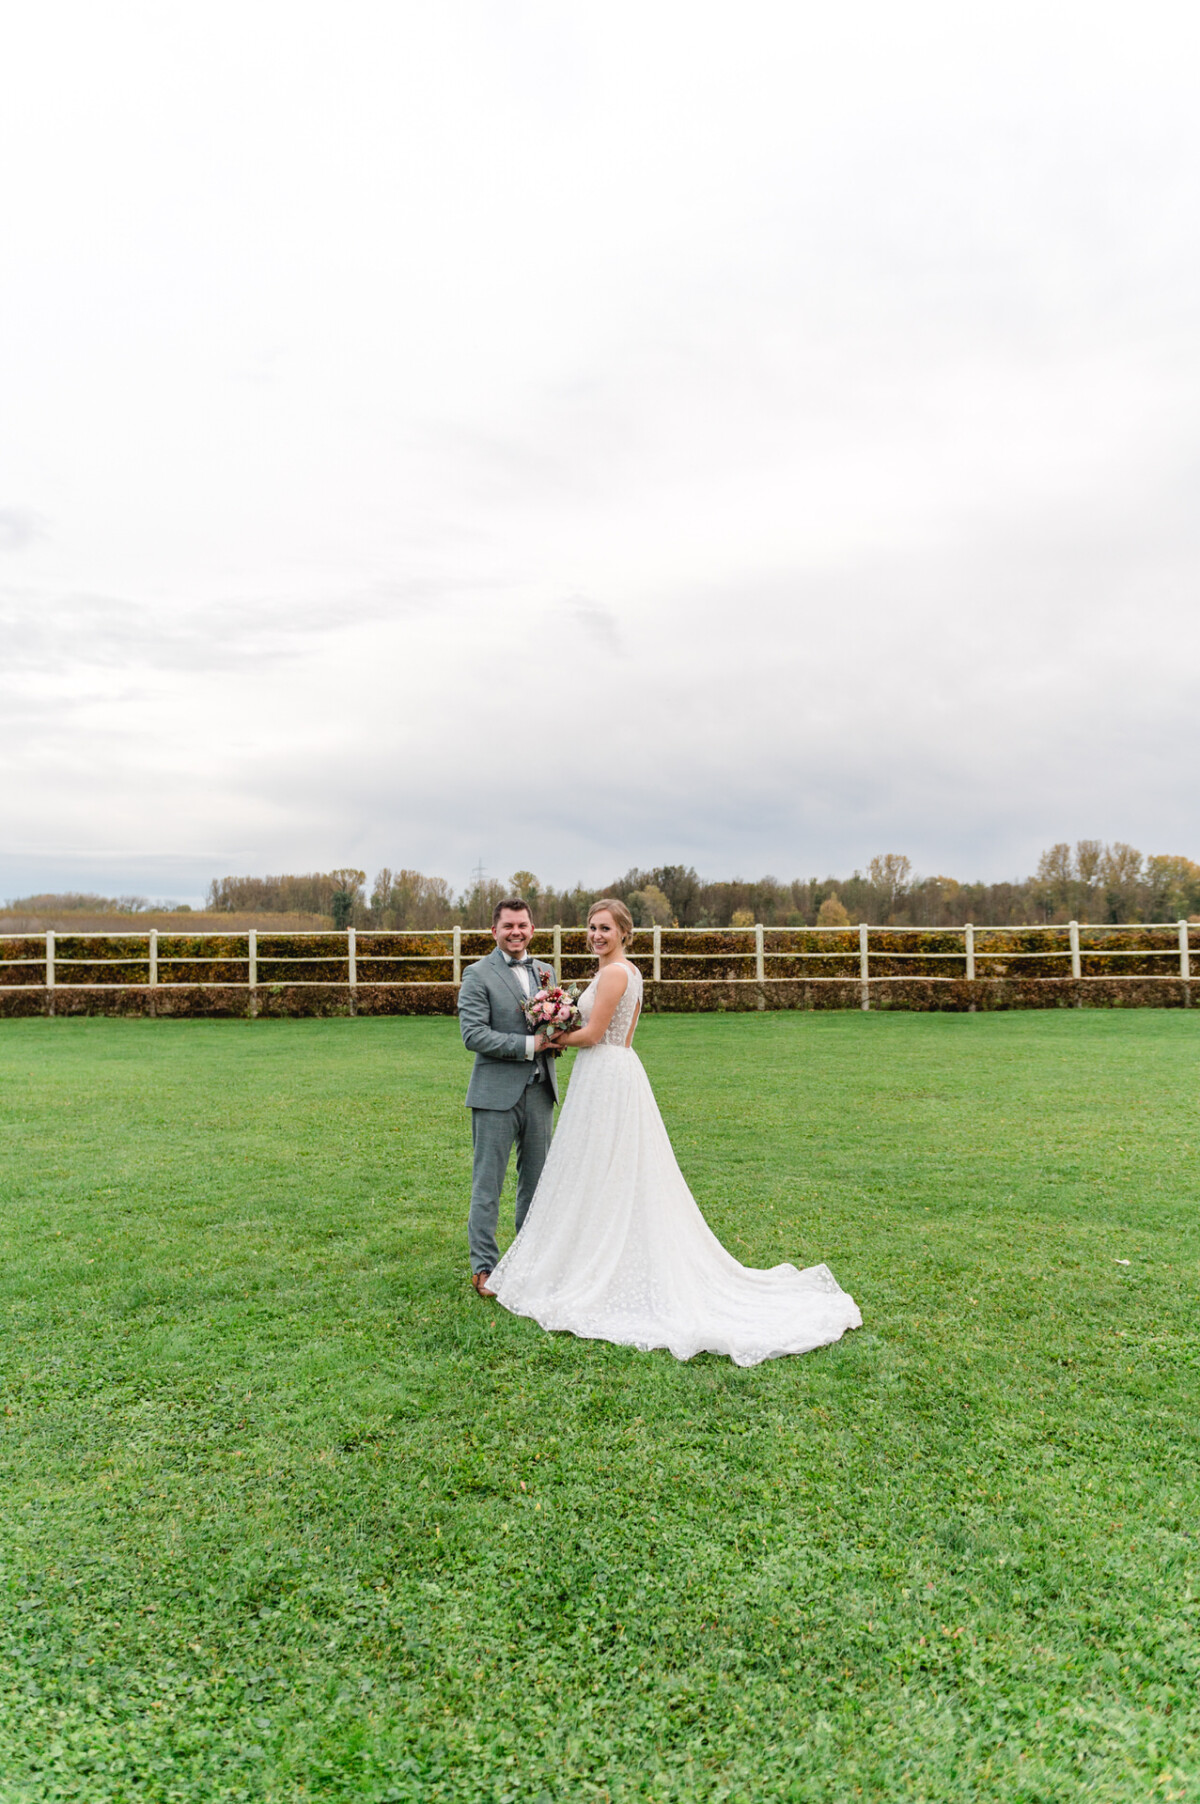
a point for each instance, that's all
(620, 915)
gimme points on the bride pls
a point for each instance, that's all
(614, 1246)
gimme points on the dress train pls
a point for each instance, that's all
(615, 1248)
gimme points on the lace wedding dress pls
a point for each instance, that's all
(615, 1248)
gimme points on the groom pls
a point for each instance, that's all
(513, 1087)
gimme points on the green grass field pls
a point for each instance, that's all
(287, 1513)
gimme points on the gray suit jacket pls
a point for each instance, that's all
(494, 1028)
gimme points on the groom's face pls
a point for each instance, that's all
(513, 931)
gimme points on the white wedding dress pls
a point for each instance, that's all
(615, 1248)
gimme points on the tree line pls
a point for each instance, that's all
(1089, 881)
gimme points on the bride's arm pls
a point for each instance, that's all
(610, 987)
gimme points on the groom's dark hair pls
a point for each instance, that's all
(518, 904)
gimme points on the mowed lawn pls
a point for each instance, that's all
(287, 1513)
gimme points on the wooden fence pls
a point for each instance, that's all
(693, 968)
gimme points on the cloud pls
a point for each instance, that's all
(846, 481)
(598, 624)
(45, 633)
(19, 527)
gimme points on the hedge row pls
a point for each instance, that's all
(721, 956)
(229, 1001)
(734, 943)
(915, 994)
(434, 974)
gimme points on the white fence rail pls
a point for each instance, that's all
(357, 957)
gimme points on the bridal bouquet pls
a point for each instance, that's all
(553, 1010)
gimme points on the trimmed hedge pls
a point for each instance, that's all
(722, 956)
(921, 994)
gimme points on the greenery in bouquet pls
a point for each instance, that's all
(553, 1010)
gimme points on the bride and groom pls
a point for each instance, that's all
(610, 1242)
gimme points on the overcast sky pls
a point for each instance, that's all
(756, 436)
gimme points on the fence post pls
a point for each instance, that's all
(457, 953)
(864, 968)
(760, 967)
(969, 937)
(352, 956)
(657, 953)
(50, 960)
(252, 958)
(1185, 963)
(557, 952)
(153, 957)
(1076, 966)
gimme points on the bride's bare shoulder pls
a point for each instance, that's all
(613, 978)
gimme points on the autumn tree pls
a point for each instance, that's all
(681, 886)
(311, 893)
(889, 876)
(1173, 886)
(649, 907)
(1055, 879)
(409, 899)
(1120, 877)
(832, 912)
(524, 883)
(1089, 861)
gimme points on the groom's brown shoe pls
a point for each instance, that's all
(479, 1281)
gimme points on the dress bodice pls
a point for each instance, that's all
(617, 1032)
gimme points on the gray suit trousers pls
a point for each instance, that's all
(530, 1122)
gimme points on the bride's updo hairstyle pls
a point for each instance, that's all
(620, 915)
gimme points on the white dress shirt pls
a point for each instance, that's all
(523, 971)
